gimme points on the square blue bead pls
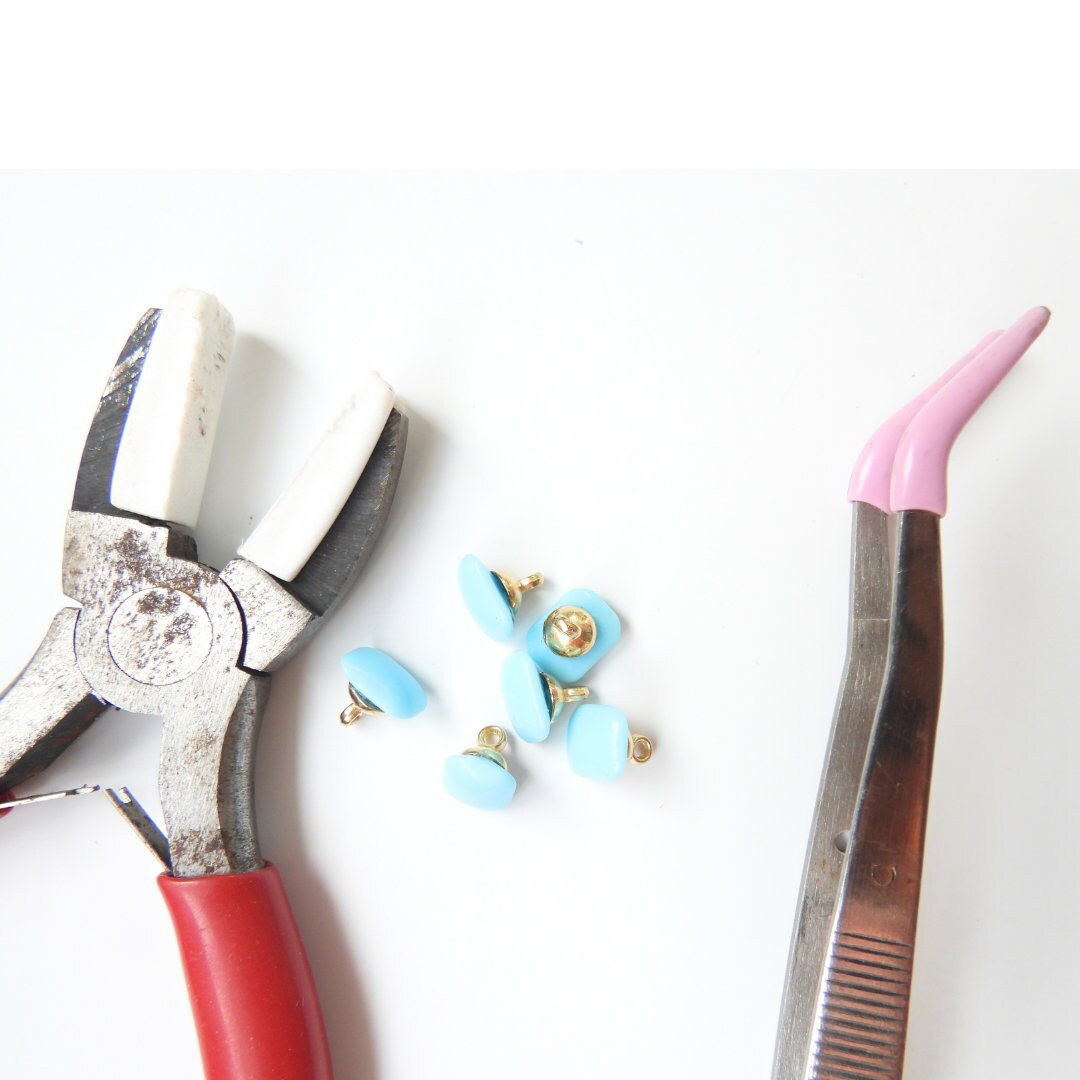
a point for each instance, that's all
(597, 741)
(569, 670)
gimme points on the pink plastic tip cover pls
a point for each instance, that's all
(922, 456)
(872, 475)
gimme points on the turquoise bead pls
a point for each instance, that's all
(486, 599)
(570, 670)
(597, 741)
(478, 781)
(380, 679)
(528, 703)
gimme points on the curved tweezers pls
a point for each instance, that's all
(892, 670)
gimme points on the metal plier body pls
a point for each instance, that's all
(845, 1006)
(157, 632)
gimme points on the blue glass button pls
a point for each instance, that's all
(528, 703)
(478, 781)
(380, 679)
(486, 599)
(597, 741)
(571, 669)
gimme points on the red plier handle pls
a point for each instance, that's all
(252, 993)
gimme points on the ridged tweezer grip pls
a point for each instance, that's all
(863, 1023)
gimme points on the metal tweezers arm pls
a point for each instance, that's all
(861, 1011)
(860, 687)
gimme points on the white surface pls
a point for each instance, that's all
(301, 515)
(638, 930)
(592, 82)
(165, 450)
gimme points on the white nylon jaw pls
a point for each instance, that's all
(164, 452)
(295, 525)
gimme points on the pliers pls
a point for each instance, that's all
(845, 1005)
(157, 632)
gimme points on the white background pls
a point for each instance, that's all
(652, 385)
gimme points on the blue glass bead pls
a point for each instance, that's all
(380, 679)
(527, 701)
(486, 599)
(478, 781)
(597, 740)
(570, 669)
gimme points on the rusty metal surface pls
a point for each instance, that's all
(275, 621)
(47, 706)
(159, 633)
(154, 630)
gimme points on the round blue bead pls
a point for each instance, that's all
(525, 693)
(478, 781)
(486, 599)
(597, 739)
(380, 679)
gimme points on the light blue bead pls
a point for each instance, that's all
(597, 740)
(525, 693)
(569, 670)
(478, 781)
(380, 679)
(486, 599)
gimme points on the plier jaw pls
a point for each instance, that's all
(51, 703)
(93, 482)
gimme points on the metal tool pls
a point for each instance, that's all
(9, 803)
(159, 633)
(845, 1005)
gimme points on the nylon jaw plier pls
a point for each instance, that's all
(157, 632)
